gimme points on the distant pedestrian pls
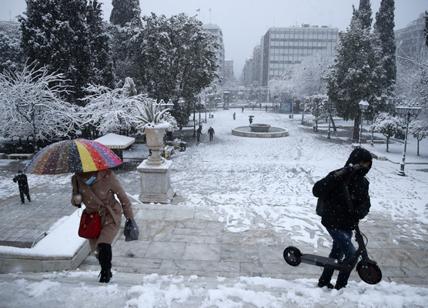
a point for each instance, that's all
(242, 108)
(21, 178)
(211, 133)
(266, 108)
(198, 134)
(260, 106)
(250, 119)
(234, 116)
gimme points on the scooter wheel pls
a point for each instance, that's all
(292, 256)
(369, 272)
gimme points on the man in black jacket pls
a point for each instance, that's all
(21, 178)
(345, 193)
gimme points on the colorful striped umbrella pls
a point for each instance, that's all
(78, 155)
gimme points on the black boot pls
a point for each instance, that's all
(342, 279)
(104, 257)
(325, 278)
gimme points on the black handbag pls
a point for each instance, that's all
(131, 231)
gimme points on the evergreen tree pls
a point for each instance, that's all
(426, 28)
(349, 81)
(175, 58)
(55, 35)
(364, 13)
(384, 45)
(11, 56)
(125, 11)
(101, 63)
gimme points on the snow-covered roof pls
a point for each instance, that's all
(115, 141)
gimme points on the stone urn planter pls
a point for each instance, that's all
(154, 140)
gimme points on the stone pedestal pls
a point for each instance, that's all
(155, 182)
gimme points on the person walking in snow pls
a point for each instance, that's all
(345, 194)
(211, 133)
(250, 119)
(24, 190)
(198, 134)
(97, 190)
(234, 116)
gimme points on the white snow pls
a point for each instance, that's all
(115, 141)
(154, 291)
(251, 182)
(61, 241)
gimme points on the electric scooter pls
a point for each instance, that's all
(367, 269)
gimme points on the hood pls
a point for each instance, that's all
(358, 155)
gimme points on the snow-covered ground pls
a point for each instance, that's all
(250, 184)
(267, 183)
(78, 289)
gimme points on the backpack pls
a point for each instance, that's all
(320, 207)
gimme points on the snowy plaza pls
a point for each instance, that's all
(213, 154)
(239, 202)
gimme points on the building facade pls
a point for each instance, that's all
(410, 40)
(281, 48)
(218, 37)
(228, 71)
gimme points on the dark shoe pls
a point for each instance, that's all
(322, 284)
(339, 286)
(105, 276)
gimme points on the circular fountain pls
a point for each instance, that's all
(259, 130)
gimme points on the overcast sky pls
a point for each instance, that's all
(244, 21)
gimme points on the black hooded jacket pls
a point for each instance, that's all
(343, 210)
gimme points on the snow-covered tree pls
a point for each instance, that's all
(388, 125)
(175, 59)
(55, 35)
(350, 79)
(426, 28)
(11, 56)
(111, 110)
(319, 107)
(101, 70)
(384, 70)
(364, 14)
(412, 80)
(125, 11)
(304, 79)
(121, 47)
(419, 130)
(31, 105)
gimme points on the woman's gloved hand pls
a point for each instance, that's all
(131, 231)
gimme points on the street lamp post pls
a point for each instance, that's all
(329, 118)
(408, 112)
(364, 105)
(303, 110)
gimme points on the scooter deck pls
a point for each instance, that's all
(319, 261)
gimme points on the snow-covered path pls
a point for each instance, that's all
(78, 289)
(266, 183)
(240, 202)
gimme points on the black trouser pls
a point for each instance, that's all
(342, 247)
(211, 137)
(24, 191)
